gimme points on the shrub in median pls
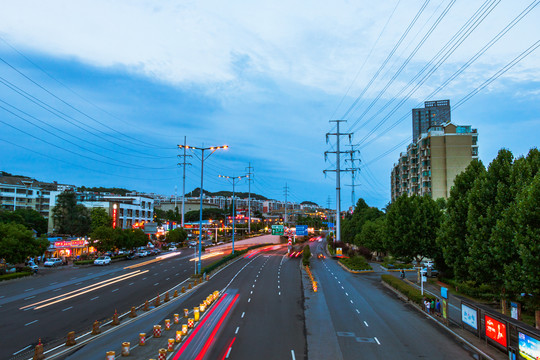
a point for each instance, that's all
(14, 275)
(306, 255)
(409, 291)
(356, 263)
(83, 262)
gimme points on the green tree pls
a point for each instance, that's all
(99, 217)
(33, 220)
(69, 217)
(352, 226)
(104, 238)
(17, 243)
(373, 235)
(411, 227)
(452, 237)
(177, 235)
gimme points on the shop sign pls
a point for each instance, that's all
(70, 244)
(496, 330)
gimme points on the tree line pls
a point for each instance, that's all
(486, 233)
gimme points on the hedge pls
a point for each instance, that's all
(83, 262)
(306, 255)
(407, 290)
(14, 275)
(356, 263)
(208, 269)
(483, 292)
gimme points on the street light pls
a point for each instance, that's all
(212, 149)
(233, 179)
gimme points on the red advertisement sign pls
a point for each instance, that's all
(69, 244)
(496, 330)
(114, 215)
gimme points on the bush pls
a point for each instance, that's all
(83, 262)
(356, 263)
(119, 256)
(407, 290)
(14, 275)
(469, 288)
(306, 255)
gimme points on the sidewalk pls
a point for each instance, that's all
(476, 344)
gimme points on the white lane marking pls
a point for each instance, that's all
(347, 294)
(251, 293)
(377, 340)
(253, 285)
(73, 278)
(156, 274)
(228, 353)
(71, 307)
(249, 300)
(366, 323)
(156, 284)
(237, 328)
(280, 293)
(176, 274)
(167, 279)
(255, 280)
(115, 290)
(131, 284)
(57, 289)
(343, 288)
(357, 311)
(257, 276)
(92, 299)
(15, 353)
(3, 296)
(244, 313)
(30, 297)
(30, 323)
(278, 286)
(144, 278)
(28, 289)
(292, 354)
(352, 302)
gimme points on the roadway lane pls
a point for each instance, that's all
(24, 320)
(268, 321)
(368, 319)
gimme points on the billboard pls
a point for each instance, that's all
(529, 347)
(469, 316)
(496, 331)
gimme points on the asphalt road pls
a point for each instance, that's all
(24, 321)
(369, 321)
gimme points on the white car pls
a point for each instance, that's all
(102, 260)
(142, 253)
(173, 248)
(32, 266)
(53, 262)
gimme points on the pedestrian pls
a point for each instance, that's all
(403, 274)
(432, 306)
(427, 306)
(438, 308)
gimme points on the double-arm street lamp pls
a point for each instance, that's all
(233, 179)
(203, 157)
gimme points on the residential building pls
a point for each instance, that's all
(430, 165)
(432, 114)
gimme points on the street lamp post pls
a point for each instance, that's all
(212, 149)
(233, 180)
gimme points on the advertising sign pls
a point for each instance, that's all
(444, 309)
(529, 347)
(444, 292)
(469, 316)
(114, 216)
(514, 310)
(496, 330)
(339, 251)
(301, 230)
(70, 244)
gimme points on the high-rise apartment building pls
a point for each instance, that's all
(430, 164)
(432, 114)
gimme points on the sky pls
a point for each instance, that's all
(100, 93)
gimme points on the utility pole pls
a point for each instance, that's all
(338, 171)
(233, 179)
(184, 164)
(285, 192)
(250, 179)
(212, 149)
(353, 170)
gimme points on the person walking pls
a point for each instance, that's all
(438, 308)
(428, 304)
(402, 274)
(432, 306)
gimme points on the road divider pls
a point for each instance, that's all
(313, 282)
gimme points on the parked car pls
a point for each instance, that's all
(102, 260)
(173, 248)
(52, 262)
(142, 253)
(32, 266)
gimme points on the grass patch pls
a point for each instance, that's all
(83, 262)
(14, 275)
(407, 290)
(356, 263)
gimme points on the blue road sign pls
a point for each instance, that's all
(301, 230)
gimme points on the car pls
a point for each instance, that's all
(32, 266)
(192, 243)
(52, 262)
(173, 248)
(142, 253)
(102, 260)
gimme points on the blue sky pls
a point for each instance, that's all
(120, 84)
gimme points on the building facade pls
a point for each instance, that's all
(430, 165)
(433, 113)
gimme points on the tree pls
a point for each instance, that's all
(99, 217)
(177, 235)
(352, 226)
(30, 218)
(452, 237)
(104, 238)
(69, 217)
(373, 235)
(17, 243)
(411, 227)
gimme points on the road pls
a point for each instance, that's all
(65, 299)
(366, 318)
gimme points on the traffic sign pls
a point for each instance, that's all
(277, 230)
(301, 230)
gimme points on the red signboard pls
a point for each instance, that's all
(114, 215)
(69, 244)
(496, 330)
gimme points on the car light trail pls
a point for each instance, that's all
(186, 343)
(82, 291)
(159, 258)
(216, 328)
(206, 256)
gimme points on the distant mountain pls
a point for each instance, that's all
(240, 195)
(117, 191)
